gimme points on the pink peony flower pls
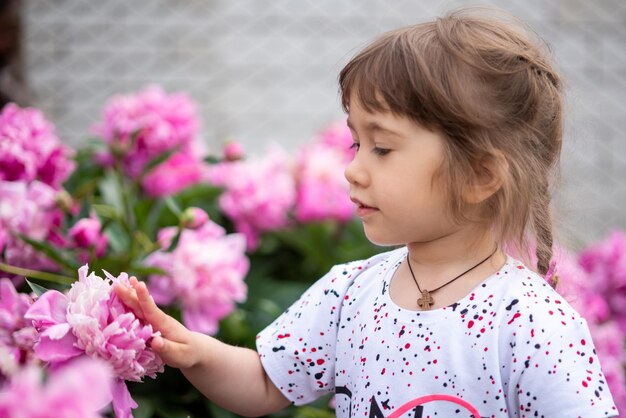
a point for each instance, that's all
(205, 274)
(193, 218)
(79, 390)
(576, 285)
(92, 321)
(139, 127)
(605, 262)
(17, 336)
(233, 151)
(177, 173)
(323, 191)
(87, 234)
(28, 209)
(339, 137)
(30, 149)
(258, 195)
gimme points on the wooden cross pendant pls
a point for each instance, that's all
(426, 301)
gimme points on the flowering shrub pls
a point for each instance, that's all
(80, 389)
(258, 194)
(28, 208)
(206, 285)
(224, 241)
(90, 320)
(17, 335)
(30, 149)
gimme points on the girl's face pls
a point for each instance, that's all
(392, 178)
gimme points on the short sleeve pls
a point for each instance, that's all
(298, 349)
(563, 378)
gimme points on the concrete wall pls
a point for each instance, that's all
(265, 71)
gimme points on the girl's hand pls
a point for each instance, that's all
(176, 344)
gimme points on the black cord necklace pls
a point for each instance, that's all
(426, 301)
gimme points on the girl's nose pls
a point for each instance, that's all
(355, 173)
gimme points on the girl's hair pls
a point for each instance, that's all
(492, 92)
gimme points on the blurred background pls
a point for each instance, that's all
(266, 71)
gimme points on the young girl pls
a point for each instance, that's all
(457, 127)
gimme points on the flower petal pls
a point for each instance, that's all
(49, 309)
(57, 349)
(122, 401)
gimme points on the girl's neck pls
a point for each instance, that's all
(436, 262)
(450, 253)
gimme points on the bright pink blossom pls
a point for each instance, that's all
(605, 262)
(139, 127)
(323, 191)
(30, 149)
(28, 209)
(91, 320)
(175, 174)
(17, 336)
(81, 389)
(258, 195)
(87, 234)
(339, 137)
(577, 286)
(205, 274)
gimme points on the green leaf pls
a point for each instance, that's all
(37, 289)
(201, 192)
(217, 412)
(110, 191)
(145, 409)
(175, 240)
(173, 206)
(51, 252)
(310, 412)
(159, 159)
(140, 270)
(106, 211)
(118, 239)
(172, 411)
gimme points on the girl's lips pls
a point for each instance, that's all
(362, 209)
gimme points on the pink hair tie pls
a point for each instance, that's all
(551, 276)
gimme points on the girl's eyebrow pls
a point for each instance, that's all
(374, 126)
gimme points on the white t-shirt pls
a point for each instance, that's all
(512, 347)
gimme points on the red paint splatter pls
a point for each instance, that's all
(470, 324)
(517, 315)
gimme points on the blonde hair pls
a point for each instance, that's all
(491, 90)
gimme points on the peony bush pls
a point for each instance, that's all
(225, 241)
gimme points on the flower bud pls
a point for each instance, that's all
(193, 218)
(87, 233)
(233, 151)
(64, 201)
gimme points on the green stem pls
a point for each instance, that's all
(36, 274)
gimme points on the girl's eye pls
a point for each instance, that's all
(355, 146)
(381, 151)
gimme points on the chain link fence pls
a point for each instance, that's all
(266, 71)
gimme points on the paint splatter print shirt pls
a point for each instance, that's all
(511, 348)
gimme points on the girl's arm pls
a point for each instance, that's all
(232, 377)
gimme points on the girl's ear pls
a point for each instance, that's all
(489, 175)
